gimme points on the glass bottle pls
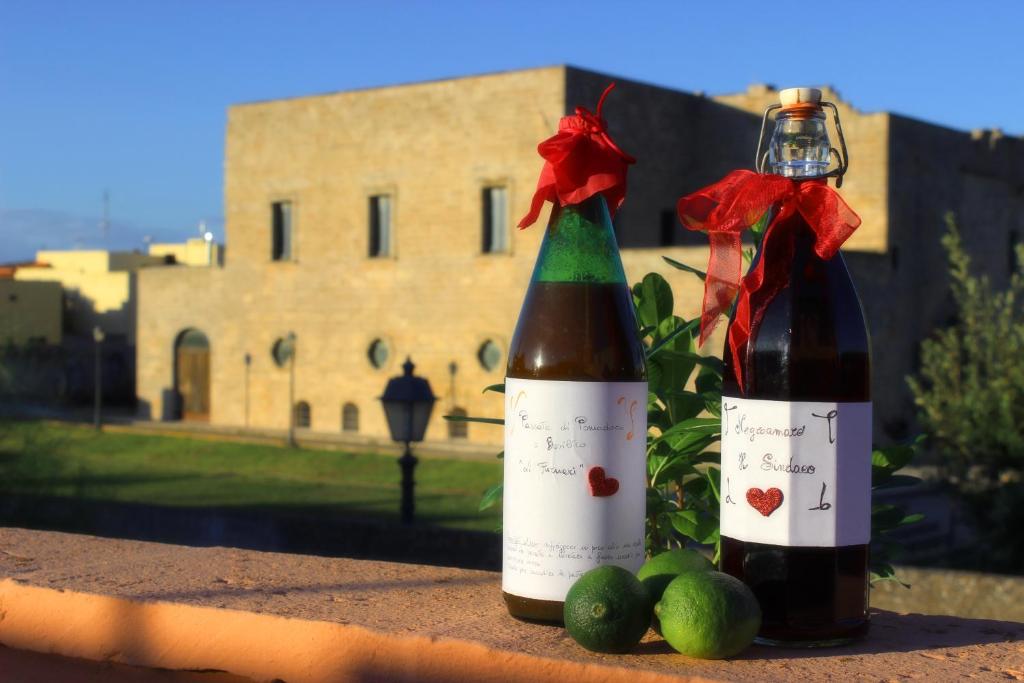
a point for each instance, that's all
(575, 418)
(807, 377)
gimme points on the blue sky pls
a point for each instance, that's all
(130, 97)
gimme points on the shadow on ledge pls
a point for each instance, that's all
(22, 666)
(899, 647)
(890, 632)
(310, 530)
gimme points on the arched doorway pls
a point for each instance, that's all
(192, 375)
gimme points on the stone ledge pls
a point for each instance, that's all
(302, 618)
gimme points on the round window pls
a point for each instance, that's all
(378, 353)
(489, 355)
(282, 351)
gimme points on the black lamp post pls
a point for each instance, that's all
(290, 340)
(408, 402)
(248, 364)
(282, 352)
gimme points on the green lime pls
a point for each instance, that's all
(709, 615)
(659, 571)
(607, 610)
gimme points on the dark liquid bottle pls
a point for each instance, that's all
(575, 404)
(811, 348)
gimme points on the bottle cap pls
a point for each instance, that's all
(791, 97)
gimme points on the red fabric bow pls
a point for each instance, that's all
(580, 160)
(730, 206)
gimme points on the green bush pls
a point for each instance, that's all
(970, 389)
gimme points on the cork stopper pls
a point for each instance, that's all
(801, 103)
(792, 97)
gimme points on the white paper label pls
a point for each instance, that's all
(575, 488)
(796, 473)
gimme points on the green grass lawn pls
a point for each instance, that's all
(64, 460)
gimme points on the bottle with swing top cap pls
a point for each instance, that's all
(796, 413)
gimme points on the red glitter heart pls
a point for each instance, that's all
(601, 485)
(765, 502)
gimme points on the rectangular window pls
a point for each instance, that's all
(495, 220)
(1011, 252)
(669, 228)
(281, 231)
(380, 225)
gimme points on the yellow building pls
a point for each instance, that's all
(98, 286)
(30, 313)
(378, 224)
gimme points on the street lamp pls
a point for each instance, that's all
(408, 402)
(283, 352)
(98, 337)
(248, 364)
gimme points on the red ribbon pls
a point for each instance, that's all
(580, 160)
(730, 206)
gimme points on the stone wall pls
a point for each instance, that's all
(945, 591)
(300, 618)
(681, 141)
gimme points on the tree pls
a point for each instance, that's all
(970, 389)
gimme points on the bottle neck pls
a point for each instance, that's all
(579, 245)
(799, 146)
(799, 149)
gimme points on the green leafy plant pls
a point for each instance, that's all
(683, 403)
(970, 396)
(970, 389)
(886, 518)
(684, 424)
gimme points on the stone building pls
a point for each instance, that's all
(379, 224)
(197, 251)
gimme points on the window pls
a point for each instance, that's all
(380, 225)
(378, 353)
(458, 429)
(1011, 252)
(489, 354)
(495, 220)
(281, 224)
(350, 417)
(282, 350)
(669, 226)
(303, 414)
